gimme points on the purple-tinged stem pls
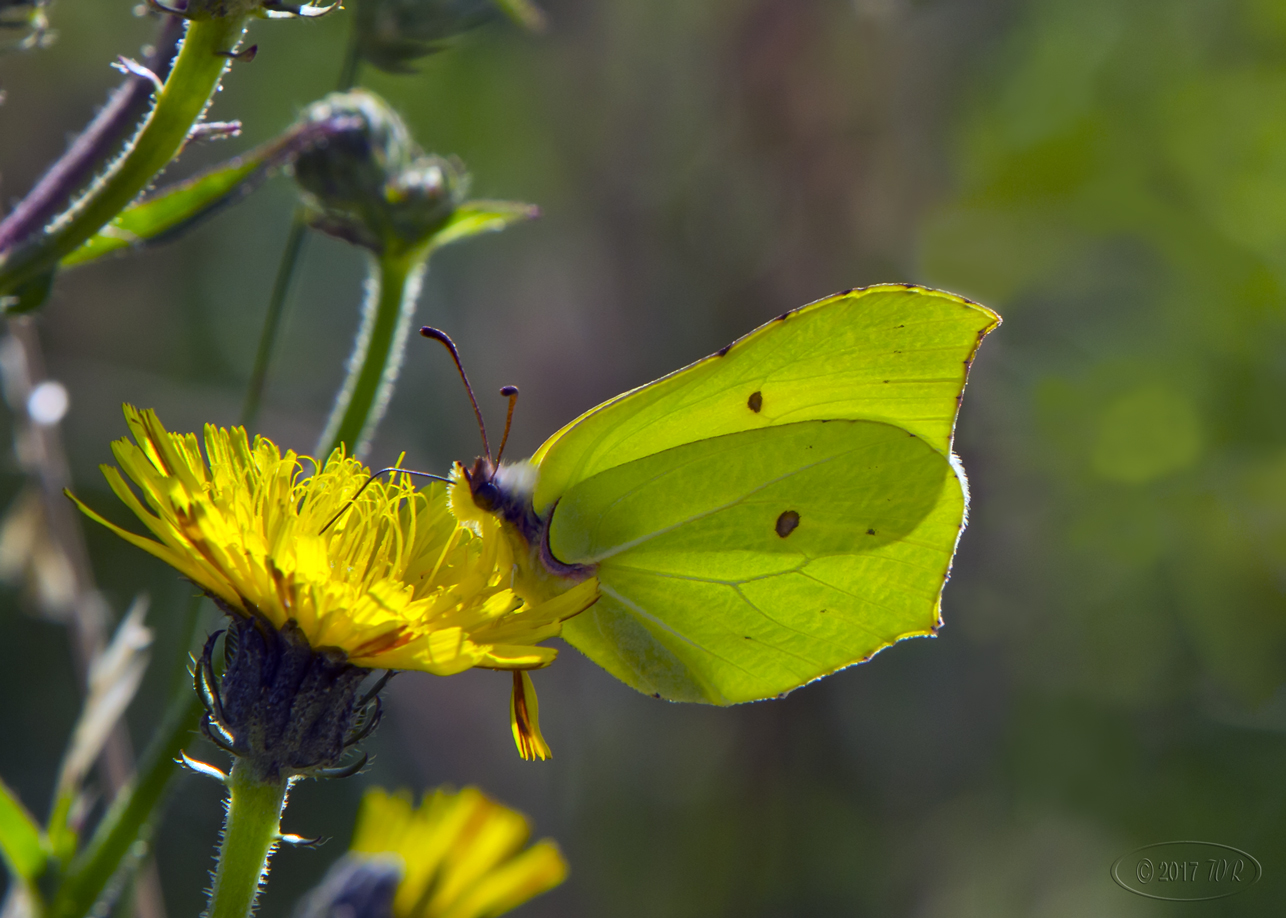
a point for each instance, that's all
(125, 106)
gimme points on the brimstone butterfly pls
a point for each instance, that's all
(766, 516)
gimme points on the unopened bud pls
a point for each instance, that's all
(423, 196)
(349, 166)
(369, 183)
(393, 33)
(356, 886)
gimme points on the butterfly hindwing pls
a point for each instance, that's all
(741, 566)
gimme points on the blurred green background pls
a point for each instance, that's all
(1110, 175)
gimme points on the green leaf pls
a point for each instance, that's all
(473, 218)
(30, 296)
(21, 842)
(171, 211)
(175, 209)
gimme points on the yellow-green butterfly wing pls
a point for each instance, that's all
(891, 353)
(777, 511)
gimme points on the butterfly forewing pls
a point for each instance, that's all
(894, 354)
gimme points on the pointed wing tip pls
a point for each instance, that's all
(990, 314)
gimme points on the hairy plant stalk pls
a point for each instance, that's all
(192, 81)
(392, 288)
(251, 831)
(127, 103)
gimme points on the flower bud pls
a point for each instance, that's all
(423, 196)
(356, 886)
(369, 183)
(281, 705)
(392, 33)
(343, 176)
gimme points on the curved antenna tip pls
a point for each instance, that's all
(511, 393)
(437, 334)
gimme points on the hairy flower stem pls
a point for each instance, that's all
(391, 291)
(251, 830)
(127, 103)
(192, 81)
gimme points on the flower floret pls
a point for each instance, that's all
(462, 852)
(377, 569)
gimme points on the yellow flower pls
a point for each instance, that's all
(388, 576)
(462, 853)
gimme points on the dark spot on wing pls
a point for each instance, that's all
(786, 523)
(749, 638)
(870, 532)
(823, 612)
(756, 401)
(723, 350)
(656, 694)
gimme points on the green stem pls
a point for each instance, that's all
(348, 74)
(192, 81)
(251, 831)
(272, 320)
(349, 71)
(391, 291)
(91, 870)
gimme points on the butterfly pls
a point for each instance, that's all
(780, 510)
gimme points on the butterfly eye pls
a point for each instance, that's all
(487, 495)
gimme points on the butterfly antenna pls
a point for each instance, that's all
(375, 475)
(439, 335)
(511, 393)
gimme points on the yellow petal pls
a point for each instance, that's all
(311, 561)
(462, 853)
(390, 576)
(518, 656)
(492, 835)
(524, 716)
(538, 869)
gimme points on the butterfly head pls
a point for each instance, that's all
(483, 488)
(505, 491)
(502, 489)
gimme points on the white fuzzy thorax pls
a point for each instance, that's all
(517, 479)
